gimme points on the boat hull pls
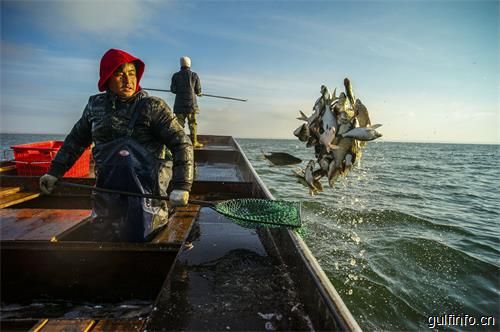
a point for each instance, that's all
(227, 278)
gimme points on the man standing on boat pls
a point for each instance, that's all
(130, 132)
(186, 86)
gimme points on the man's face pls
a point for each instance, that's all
(123, 82)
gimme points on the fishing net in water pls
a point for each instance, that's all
(254, 212)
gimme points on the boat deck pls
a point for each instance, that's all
(38, 224)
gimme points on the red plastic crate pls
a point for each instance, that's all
(34, 159)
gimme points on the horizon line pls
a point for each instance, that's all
(291, 139)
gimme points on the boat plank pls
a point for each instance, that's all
(7, 168)
(119, 325)
(179, 225)
(64, 325)
(17, 198)
(10, 216)
(42, 225)
(6, 191)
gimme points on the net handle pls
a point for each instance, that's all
(128, 193)
(166, 198)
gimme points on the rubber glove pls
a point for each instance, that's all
(179, 197)
(47, 183)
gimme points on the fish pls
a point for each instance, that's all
(302, 132)
(344, 146)
(333, 173)
(325, 93)
(313, 183)
(299, 175)
(364, 133)
(325, 161)
(362, 114)
(338, 129)
(340, 105)
(334, 98)
(348, 91)
(311, 120)
(329, 126)
(344, 124)
(324, 100)
(282, 159)
(347, 163)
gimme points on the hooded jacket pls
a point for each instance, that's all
(110, 62)
(106, 118)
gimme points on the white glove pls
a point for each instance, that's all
(47, 183)
(179, 197)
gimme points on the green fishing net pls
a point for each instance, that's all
(254, 212)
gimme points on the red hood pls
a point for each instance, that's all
(113, 59)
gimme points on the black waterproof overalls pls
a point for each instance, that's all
(124, 164)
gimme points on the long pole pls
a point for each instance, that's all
(203, 94)
(128, 193)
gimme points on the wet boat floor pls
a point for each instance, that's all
(217, 172)
(227, 282)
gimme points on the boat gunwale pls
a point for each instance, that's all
(329, 294)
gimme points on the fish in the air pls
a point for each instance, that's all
(329, 126)
(348, 163)
(308, 119)
(302, 132)
(312, 181)
(299, 175)
(364, 133)
(337, 130)
(348, 90)
(282, 158)
(362, 114)
(324, 162)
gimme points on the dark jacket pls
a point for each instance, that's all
(106, 118)
(186, 86)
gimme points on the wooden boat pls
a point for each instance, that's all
(231, 279)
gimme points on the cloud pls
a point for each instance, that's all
(104, 19)
(96, 17)
(27, 66)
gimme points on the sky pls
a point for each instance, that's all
(428, 71)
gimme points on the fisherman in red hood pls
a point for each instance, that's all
(134, 136)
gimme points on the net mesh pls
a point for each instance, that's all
(254, 212)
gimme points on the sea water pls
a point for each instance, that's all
(410, 238)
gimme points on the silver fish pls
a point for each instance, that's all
(313, 183)
(347, 163)
(348, 91)
(362, 114)
(334, 98)
(344, 146)
(308, 119)
(302, 132)
(324, 162)
(329, 126)
(364, 133)
(333, 173)
(340, 105)
(299, 175)
(325, 93)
